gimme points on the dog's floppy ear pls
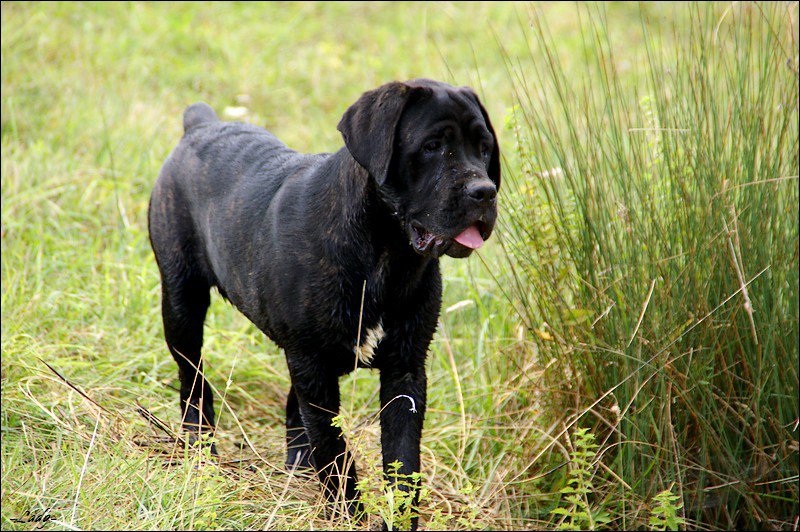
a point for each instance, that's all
(494, 160)
(369, 125)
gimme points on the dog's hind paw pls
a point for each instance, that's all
(201, 441)
(299, 458)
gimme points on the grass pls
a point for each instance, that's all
(92, 99)
(654, 256)
(92, 96)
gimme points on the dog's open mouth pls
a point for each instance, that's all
(424, 242)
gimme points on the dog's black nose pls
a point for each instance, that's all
(482, 191)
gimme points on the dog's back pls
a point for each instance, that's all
(207, 209)
(214, 156)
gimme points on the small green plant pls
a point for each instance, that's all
(207, 483)
(580, 514)
(467, 520)
(665, 514)
(388, 499)
(437, 520)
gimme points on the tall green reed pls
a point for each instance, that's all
(652, 243)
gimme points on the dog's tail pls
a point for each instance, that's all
(196, 114)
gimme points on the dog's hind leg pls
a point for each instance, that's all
(298, 448)
(183, 305)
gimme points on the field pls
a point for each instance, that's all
(622, 354)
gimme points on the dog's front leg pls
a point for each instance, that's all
(403, 396)
(317, 390)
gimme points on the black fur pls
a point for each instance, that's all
(291, 239)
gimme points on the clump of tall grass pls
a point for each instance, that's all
(653, 254)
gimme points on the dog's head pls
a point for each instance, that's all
(433, 154)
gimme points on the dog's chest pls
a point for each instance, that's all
(372, 308)
(365, 349)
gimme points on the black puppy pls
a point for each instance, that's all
(315, 248)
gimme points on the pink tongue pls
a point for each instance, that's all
(470, 238)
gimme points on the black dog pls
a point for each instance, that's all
(315, 248)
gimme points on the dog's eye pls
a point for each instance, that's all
(485, 151)
(432, 146)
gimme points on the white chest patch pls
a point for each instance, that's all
(366, 351)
